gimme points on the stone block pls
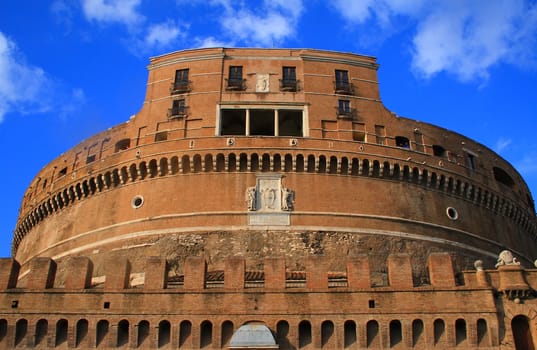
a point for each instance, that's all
(358, 272)
(275, 273)
(195, 271)
(156, 273)
(42, 273)
(9, 273)
(79, 273)
(400, 271)
(441, 270)
(234, 273)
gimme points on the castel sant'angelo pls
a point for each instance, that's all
(267, 199)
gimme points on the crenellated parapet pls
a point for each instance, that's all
(317, 305)
(78, 271)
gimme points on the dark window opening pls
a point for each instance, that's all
(123, 332)
(181, 83)
(304, 334)
(371, 304)
(482, 332)
(288, 81)
(235, 81)
(439, 329)
(14, 304)
(102, 331)
(327, 333)
(262, 122)
(233, 122)
(282, 332)
(520, 325)
(396, 333)
(344, 109)
(21, 328)
(349, 334)
(372, 332)
(185, 329)
(460, 331)
(206, 336)
(161, 136)
(471, 161)
(501, 176)
(61, 332)
(290, 122)
(41, 330)
(439, 151)
(143, 332)
(178, 109)
(106, 305)
(401, 141)
(227, 333)
(164, 333)
(3, 329)
(82, 328)
(62, 172)
(122, 145)
(91, 158)
(342, 83)
(417, 331)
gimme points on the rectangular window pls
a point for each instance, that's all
(344, 106)
(235, 81)
(344, 109)
(261, 122)
(90, 158)
(342, 83)
(471, 161)
(161, 136)
(181, 83)
(178, 109)
(288, 82)
(290, 122)
(233, 122)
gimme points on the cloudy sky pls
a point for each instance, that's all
(71, 68)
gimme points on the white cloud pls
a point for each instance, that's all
(463, 38)
(25, 88)
(113, 11)
(162, 34)
(502, 144)
(20, 83)
(211, 42)
(268, 25)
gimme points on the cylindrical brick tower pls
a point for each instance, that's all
(274, 152)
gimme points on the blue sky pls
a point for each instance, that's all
(69, 69)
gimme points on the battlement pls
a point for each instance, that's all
(513, 280)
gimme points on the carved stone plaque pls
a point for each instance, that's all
(262, 83)
(269, 203)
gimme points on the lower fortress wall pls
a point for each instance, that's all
(310, 309)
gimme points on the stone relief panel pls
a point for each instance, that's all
(268, 202)
(262, 83)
